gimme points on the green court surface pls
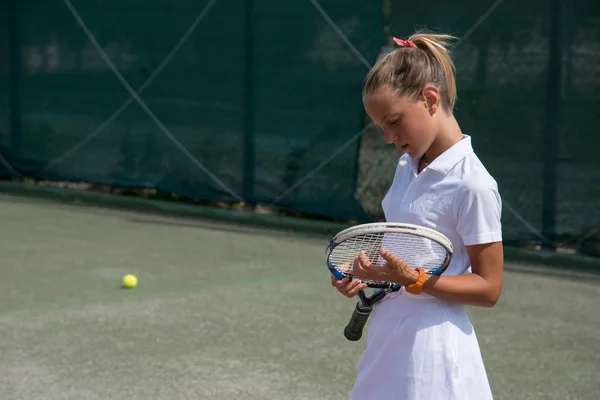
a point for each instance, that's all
(236, 312)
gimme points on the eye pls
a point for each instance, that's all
(393, 122)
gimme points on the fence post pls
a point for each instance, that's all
(248, 180)
(552, 122)
(14, 77)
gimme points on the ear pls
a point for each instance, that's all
(432, 99)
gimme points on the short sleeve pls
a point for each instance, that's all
(478, 209)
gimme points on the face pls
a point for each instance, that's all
(410, 125)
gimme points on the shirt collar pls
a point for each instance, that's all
(448, 159)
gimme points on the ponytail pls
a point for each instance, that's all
(423, 59)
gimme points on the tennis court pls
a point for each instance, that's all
(225, 311)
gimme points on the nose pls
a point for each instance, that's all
(389, 136)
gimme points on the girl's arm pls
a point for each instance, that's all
(481, 287)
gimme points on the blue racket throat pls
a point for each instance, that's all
(436, 272)
(336, 272)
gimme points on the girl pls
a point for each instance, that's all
(421, 344)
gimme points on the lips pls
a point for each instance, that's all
(400, 146)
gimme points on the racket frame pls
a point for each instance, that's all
(354, 329)
(386, 227)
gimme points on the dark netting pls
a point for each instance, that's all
(5, 132)
(255, 100)
(258, 97)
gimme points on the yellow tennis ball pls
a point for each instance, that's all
(130, 281)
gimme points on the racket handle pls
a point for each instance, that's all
(354, 329)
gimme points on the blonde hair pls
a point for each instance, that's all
(409, 70)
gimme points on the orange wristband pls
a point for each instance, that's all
(417, 287)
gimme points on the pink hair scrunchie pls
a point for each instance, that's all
(404, 43)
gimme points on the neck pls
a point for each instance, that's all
(446, 138)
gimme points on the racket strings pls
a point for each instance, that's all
(416, 251)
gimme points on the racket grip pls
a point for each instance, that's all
(360, 316)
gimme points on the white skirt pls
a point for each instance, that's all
(420, 348)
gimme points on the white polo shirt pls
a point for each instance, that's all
(418, 346)
(454, 195)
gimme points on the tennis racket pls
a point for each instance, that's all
(417, 246)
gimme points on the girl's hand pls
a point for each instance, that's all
(394, 270)
(348, 287)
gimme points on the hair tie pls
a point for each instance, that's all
(404, 43)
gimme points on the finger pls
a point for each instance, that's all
(349, 293)
(365, 263)
(339, 283)
(354, 284)
(362, 262)
(392, 262)
(349, 286)
(356, 289)
(347, 266)
(386, 255)
(349, 283)
(363, 258)
(358, 270)
(365, 269)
